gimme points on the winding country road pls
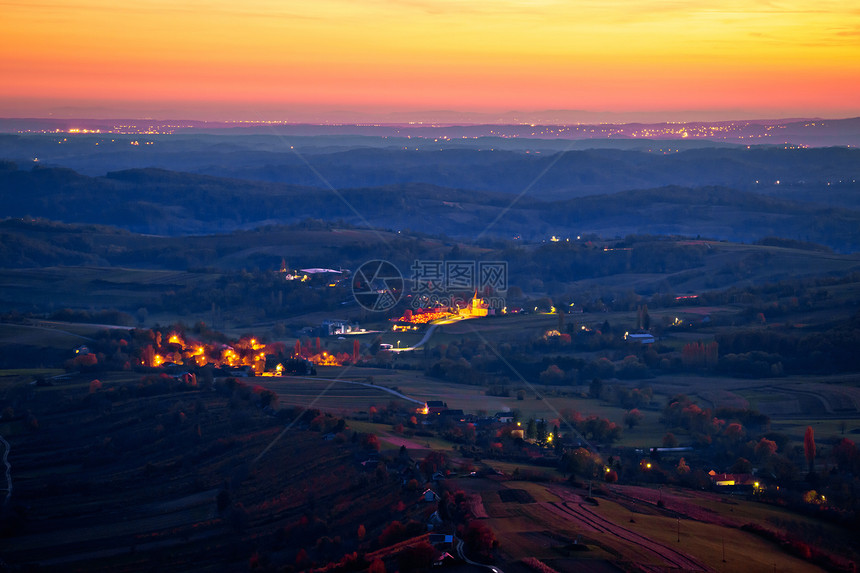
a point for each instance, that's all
(462, 554)
(367, 384)
(418, 344)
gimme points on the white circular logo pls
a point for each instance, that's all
(377, 285)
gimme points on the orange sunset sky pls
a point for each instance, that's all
(324, 59)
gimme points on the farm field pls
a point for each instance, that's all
(790, 418)
(474, 399)
(628, 529)
(328, 394)
(43, 335)
(390, 440)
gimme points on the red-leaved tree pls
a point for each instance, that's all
(809, 447)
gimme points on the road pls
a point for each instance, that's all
(367, 384)
(462, 554)
(420, 343)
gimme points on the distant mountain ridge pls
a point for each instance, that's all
(157, 201)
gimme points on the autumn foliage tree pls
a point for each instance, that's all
(302, 559)
(82, 362)
(847, 456)
(552, 375)
(433, 462)
(700, 354)
(670, 441)
(369, 442)
(632, 418)
(735, 432)
(765, 448)
(599, 429)
(395, 532)
(741, 466)
(809, 447)
(480, 540)
(580, 462)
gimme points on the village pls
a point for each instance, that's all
(555, 444)
(337, 345)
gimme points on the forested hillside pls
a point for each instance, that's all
(163, 202)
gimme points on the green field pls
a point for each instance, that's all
(389, 440)
(65, 337)
(31, 372)
(710, 391)
(325, 394)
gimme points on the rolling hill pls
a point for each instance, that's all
(157, 201)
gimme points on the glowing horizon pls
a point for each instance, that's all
(265, 59)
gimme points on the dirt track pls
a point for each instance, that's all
(583, 514)
(573, 508)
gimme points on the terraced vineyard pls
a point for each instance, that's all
(117, 480)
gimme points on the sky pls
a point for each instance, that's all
(374, 60)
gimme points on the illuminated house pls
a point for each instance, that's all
(422, 316)
(640, 337)
(733, 481)
(245, 353)
(336, 327)
(476, 308)
(433, 407)
(326, 359)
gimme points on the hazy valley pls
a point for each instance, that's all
(665, 375)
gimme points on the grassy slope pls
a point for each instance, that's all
(134, 484)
